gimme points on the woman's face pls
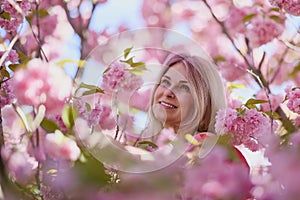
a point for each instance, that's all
(173, 101)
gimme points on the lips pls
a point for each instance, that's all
(167, 105)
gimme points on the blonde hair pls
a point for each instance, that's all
(210, 96)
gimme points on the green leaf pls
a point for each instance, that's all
(49, 125)
(14, 67)
(4, 74)
(93, 91)
(276, 18)
(219, 58)
(275, 9)
(68, 116)
(5, 15)
(149, 143)
(295, 70)
(255, 101)
(129, 61)
(91, 172)
(248, 17)
(106, 70)
(275, 114)
(232, 85)
(191, 139)
(127, 51)
(79, 63)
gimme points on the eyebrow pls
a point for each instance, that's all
(181, 81)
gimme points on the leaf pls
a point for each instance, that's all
(248, 17)
(275, 114)
(149, 143)
(191, 139)
(49, 125)
(5, 15)
(295, 70)
(276, 18)
(255, 101)
(106, 70)
(4, 74)
(232, 86)
(275, 9)
(93, 91)
(127, 51)
(91, 172)
(68, 116)
(219, 58)
(14, 67)
(129, 61)
(79, 63)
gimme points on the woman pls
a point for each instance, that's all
(187, 97)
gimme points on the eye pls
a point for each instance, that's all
(165, 82)
(185, 88)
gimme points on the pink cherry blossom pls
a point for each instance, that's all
(141, 99)
(220, 180)
(42, 83)
(12, 56)
(118, 78)
(275, 100)
(245, 129)
(156, 13)
(281, 185)
(293, 97)
(60, 147)
(263, 30)
(232, 69)
(234, 21)
(166, 136)
(6, 94)
(290, 6)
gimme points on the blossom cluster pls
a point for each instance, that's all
(118, 78)
(293, 97)
(291, 7)
(245, 128)
(40, 83)
(15, 18)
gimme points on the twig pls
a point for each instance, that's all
(279, 65)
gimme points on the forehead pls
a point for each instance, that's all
(177, 71)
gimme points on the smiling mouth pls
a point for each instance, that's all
(167, 105)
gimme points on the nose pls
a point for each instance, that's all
(169, 93)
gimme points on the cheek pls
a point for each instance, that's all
(158, 92)
(187, 103)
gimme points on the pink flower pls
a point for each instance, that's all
(42, 83)
(6, 94)
(141, 100)
(166, 136)
(232, 69)
(285, 163)
(245, 128)
(262, 31)
(60, 147)
(156, 13)
(220, 180)
(117, 78)
(21, 166)
(234, 21)
(293, 97)
(290, 6)
(275, 100)
(101, 115)
(12, 56)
